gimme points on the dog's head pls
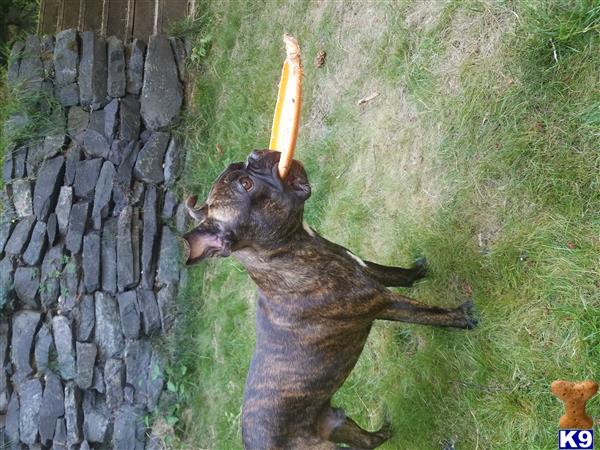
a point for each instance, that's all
(249, 204)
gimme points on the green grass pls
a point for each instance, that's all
(481, 152)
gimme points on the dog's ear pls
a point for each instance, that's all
(203, 242)
(298, 181)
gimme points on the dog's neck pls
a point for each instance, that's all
(274, 266)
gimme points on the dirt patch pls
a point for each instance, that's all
(474, 38)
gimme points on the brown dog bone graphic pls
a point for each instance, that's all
(574, 396)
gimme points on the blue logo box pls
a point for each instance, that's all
(575, 439)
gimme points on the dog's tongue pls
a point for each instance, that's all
(287, 110)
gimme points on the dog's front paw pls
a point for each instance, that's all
(419, 269)
(470, 315)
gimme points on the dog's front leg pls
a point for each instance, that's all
(405, 309)
(396, 276)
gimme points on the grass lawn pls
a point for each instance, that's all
(480, 152)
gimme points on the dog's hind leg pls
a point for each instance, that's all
(335, 426)
(396, 276)
(405, 309)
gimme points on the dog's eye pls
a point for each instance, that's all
(246, 183)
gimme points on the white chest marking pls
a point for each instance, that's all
(310, 232)
(356, 258)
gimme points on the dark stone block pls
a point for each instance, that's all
(31, 70)
(63, 208)
(73, 416)
(122, 185)
(166, 300)
(111, 114)
(47, 185)
(20, 236)
(19, 157)
(52, 266)
(44, 343)
(51, 229)
(135, 67)
(115, 379)
(169, 258)
(148, 306)
(77, 122)
(77, 222)
(22, 197)
(4, 336)
(11, 424)
(37, 245)
(128, 393)
(155, 381)
(109, 256)
(30, 402)
(14, 61)
(138, 354)
(47, 47)
(8, 163)
(149, 164)
(116, 67)
(53, 144)
(129, 118)
(86, 357)
(99, 381)
(126, 264)
(169, 205)
(96, 418)
(136, 234)
(91, 262)
(116, 152)
(60, 435)
(137, 193)
(27, 283)
(24, 326)
(162, 94)
(67, 95)
(35, 157)
(125, 428)
(53, 407)
(5, 231)
(92, 70)
(66, 57)
(130, 314)
(178, 48)
(86, 177)
(181, 218)
(103, 193)
(63, 340)
(174, 159)
(149, 234)
(73, 156)
(108, 335)
(84, 318)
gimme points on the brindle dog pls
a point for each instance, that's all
(316, 304)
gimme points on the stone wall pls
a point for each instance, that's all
(89, 262)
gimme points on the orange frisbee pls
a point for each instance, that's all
(287, 110)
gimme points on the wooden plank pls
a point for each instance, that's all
(129, 23)
(118, 11)
(70, 14)
(172, 11)
(92, 16)
(48, 16)
(143, 20)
